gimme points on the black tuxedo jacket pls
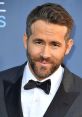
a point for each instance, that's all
(66, 103)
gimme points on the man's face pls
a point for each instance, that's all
(46, 48)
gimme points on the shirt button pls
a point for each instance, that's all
(36, 100)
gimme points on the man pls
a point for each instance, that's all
(43, 86)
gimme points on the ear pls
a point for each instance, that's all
(69, 45)
(25, 38)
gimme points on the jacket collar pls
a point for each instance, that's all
(12, 89)
(3, 112)
(64, 97)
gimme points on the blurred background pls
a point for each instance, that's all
(13, 15)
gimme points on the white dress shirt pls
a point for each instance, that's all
(35, 101)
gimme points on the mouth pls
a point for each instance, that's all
(43, 63)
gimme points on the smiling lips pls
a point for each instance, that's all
(44, 63)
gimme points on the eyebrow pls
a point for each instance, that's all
(56, 42)
(52, 41)
(38, 39)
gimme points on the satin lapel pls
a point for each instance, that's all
(64, 97)
(61, 103)
(3, 112)
(13, 99)
(12, 92)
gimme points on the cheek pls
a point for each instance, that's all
(33, 51)
(58, 53)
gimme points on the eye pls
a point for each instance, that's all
(38, 42)
(55, 44)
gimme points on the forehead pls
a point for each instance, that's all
(46, 28)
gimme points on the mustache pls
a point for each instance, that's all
(41, 58)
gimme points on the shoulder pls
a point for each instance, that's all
(74, 76)
(12, 72)
(77, 81)
(69, 73)
(73, 79)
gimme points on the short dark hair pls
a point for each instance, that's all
(52, 13)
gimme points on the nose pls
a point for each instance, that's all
(45, 52)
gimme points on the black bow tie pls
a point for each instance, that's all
(45, 86)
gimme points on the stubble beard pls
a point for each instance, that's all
(42, 72)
